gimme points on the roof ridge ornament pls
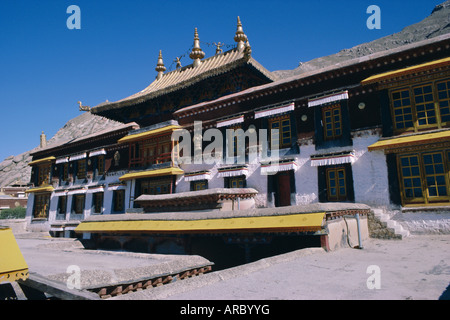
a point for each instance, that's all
(240, 36)
(160, 68)
(196, 54)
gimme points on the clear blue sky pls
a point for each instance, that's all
(46, 68)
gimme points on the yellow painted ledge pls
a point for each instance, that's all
(148, 134)
(151, 173)
(410, 140)
(294, 222)
(12, 263)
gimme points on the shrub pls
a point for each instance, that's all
(13, 213)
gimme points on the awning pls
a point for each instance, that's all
(198, 175)
(406, 71)
(232, 172)
(77, 191)
(12, 264)
(78, 156)
(230, 121)
(410, 140)
(40, 189)
(97, 152)
(273, 168)
(332, 159)
(151, 173)
(39, 161)
(328, 99)
(62, 160)
(278, 223)
(273, 111)
(148, 134)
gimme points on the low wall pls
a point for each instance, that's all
(344, 231)
(16, 225)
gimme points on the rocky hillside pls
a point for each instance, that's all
(15, 168)
(434, 25)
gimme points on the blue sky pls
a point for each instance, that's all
(46, 67)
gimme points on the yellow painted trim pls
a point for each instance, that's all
(410, 140)
(151, 173)
(299, 222)
(40, 189)
(148, 134)
(395, 73)
(39, 161)
(12, 262)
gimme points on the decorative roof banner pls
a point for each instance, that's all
(97, 152)
(196, 176)
(62, 160)
(232, 172)
(332, 159)
(273, 111)
(229, 122)
(78, 156)
(274, 168)
(328, 99)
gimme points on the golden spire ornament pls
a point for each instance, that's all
(160, 68)
(240, 36)
(196, 54)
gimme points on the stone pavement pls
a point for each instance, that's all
(417, 267)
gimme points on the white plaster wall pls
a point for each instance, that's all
(370, 174)
(424, 222)
(306, 178)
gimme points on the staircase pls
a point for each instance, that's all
(381, 226)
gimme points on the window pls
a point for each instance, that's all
(332, 122)
(156, 186)
(65, 176)
(199, 185)
(336, 184)
(41, 205)
(62, 205)
(421, 106)
(425, 177)
(97, 202)
(101, 165)
(119, 200)
(443, 95)
(44, 174)
(236, 182)
(81, 169)
(283, 138)
(78, 203)
(423, 98)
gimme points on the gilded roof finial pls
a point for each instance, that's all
(240, 36)
(196, 54)
(160, 68)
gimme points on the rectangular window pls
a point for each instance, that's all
(41, 205)
(119, 200)
(336, 184)
(97, 202)
(81, 169)
(44, 174)
(425, 177)
(62, 205)
(101, 165)
(155, 186)
(199, 185)
(236, 182)
(332, 122)
(78, 203)
(443, 95)
(65, 172)
(283, 138)
(412, 182)
(420, 107)
(423, 98)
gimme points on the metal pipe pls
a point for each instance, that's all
(359, 231)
